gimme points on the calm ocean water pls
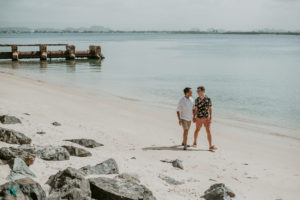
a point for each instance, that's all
(249, 77)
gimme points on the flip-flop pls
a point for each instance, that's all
(194, 145)
(212, 148)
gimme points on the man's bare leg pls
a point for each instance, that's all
(196, 136)
(208, 136)
(185, 135)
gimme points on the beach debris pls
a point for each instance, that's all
(212, 179)
(175, 163)
(56, 124)
(24, 188)
(41, 132)
(13, 137)
(26, 113)
(48, 152)
(89, 143)
(130, 177)
(9, 153)
(19, 170)
(171, 180)
(75, 151)
(133, 158)
(218, 191)
(7, 119)
(108, 166)
(119, 189)
(69, 184)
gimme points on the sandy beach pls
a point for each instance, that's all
(254, 164)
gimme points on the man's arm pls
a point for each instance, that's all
(210, 112)
(194, 113)
(178, 113)
(179, 119)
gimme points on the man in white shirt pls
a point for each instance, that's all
(185, 113)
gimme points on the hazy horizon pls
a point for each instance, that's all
(236, 15)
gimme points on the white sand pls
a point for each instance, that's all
(125, 127)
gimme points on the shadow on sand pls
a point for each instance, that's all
(173, 148)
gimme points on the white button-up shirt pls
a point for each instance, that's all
(185, 108)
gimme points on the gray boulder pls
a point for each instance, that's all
(109, 166)
(69, 184)
(129, 177)
(13, 137)
(22, 189)
(19, 170)
(118, 189)
(175, 163)
(9, 153)
(89, 143)
(48, 152)
(218, 192)
(171, 180)
(75, 151)
(6, 119)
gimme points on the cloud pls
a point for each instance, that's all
(153, 14)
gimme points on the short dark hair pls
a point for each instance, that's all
(201, 88)
(186, 90)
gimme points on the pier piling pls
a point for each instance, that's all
(69, 53)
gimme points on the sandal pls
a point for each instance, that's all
(212, 147)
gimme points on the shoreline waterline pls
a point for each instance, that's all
(258, 127)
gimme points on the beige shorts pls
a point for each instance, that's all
(186, 124)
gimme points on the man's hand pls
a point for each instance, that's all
(180, 122)
(209, 120)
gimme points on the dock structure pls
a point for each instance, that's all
(69, 53)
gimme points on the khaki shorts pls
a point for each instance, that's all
(186, 124)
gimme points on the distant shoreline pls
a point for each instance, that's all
(163, 32)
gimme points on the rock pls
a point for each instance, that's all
(129, 177)
(109, 166)
(19, 170)
(86, 142)
(56, 124)
(6, 119)
(22, 189)
(133, 158)
(218, 192)
(2, 162)
(171, 180)
(48, 152)
(118, 189)
(26, 113)
(13, 137)
(9, 153)
(176, 163)
(75, 151)
(41, 132)
(69, 184)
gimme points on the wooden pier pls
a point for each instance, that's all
(70, 53)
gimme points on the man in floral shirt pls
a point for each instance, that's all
(203, 116)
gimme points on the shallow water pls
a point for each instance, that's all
(248, 77)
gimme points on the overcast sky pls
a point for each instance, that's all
(153, 14)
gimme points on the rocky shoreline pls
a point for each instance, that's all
(71, 183)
